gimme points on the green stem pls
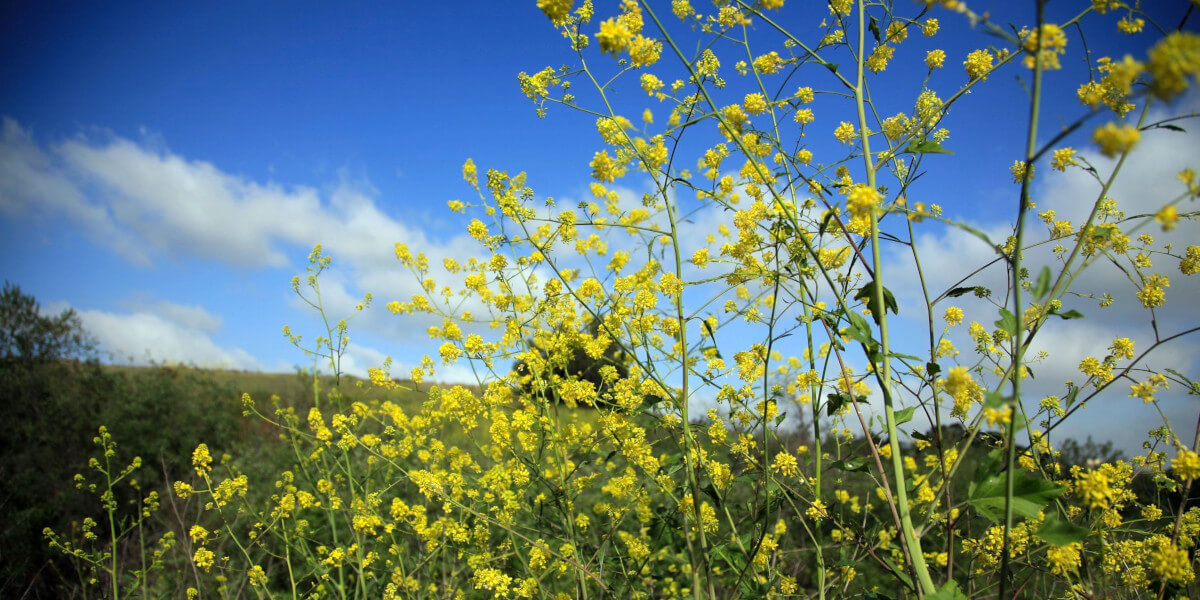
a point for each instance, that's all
(916, 555)
(1018, 313)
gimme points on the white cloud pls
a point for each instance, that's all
(148, 203)
(1146, 182)
(167, 332)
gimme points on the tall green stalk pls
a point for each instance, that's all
(1018, 338)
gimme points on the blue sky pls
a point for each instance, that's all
(165, 169)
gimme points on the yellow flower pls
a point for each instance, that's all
(203, 558)
(1172, 61)
(1063, 158)
(1152, 293)
(258, 577)
(1018, 171)
(978, 63)
(785, 465)
(1053, 43)
(605, 169)
(755, 104)
(879, 58)
(862, 200)
(769, 63)
(1168, 217)
(934, 59)
(556, 10)
(954, 316)
(1063, 559)
(1130, 25)
(202, 460)
(1190, 265)
(844, 133)
(1115, 139)
(613, 36)
(1169, 562)
(1186, 464)
(930, 28)
(1093, 490)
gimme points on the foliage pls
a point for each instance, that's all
(52, 401)
(788, 305)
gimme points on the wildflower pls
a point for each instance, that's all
(1053, 42)
(785, 464)
(1094, 490)
(978, 64)
(1172, 61)
(1169, 562)
(1152, 293)
(1018, 169)
(258, 577)
(470, 174)
(202, 460)
(1130, 25)
(879, 58)
(1167, 216)
(1190, 264)
(1115, 139)
(1063, 158)
(862, 200)
(203, 558)
(1063, 559)
(651, 84)
(817, 511)
(844, 133)
(707, 64)
(1186, 464)
(613, 36)
(930, 28)
(768, 64)
(934, 59)
(755, 104)
(605, 169)
(1122, 348)
(963, 388)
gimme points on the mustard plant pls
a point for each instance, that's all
(758, 283)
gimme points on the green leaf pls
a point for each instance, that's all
(1071, 396)
(1042, 287)
(993, 400)
(1070, 314)
(933, 369)
(1172, 127)
(859, 329)
(858, 463)
(1030, 496)
(825, 223)
(1059, 532)
(925, 147)
(867, 294)
(904, 416)
(874, 28)
(987, 465)
(948, 591)
(960, 291)
(1007, 322)
(836, 402)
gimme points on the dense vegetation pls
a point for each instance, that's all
(668, 467)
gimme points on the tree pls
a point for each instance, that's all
(27, 335)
